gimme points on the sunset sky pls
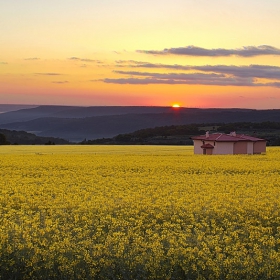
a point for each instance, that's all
(197, 53)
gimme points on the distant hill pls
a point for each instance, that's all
(4, 108)
(79, 123)
(50, 111)
(24, 138)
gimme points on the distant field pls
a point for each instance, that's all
(138, 212)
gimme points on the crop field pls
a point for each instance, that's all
(138, 212)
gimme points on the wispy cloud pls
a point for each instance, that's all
(60, 82)
(257, 71)
(85, 60)
(136, 81)
(32, 58)
(177, 76)
(253, 70)
(248, 51)
(221, 75)
(3, 63)
(140, 64)
(48, 74)
(275, 84)
(216, 82)
(181, 78)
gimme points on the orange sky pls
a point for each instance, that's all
(194, 53)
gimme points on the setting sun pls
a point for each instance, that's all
(176, 106)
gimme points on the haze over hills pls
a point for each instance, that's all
(28, 114)
(79, 123)
(14, 107)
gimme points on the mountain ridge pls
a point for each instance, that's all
(67, 122)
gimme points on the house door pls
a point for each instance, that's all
(204, 151)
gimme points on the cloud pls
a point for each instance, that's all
(180, 78)
(253, 70)
(177, 76)
(221, 75)
(48, 74)
(32, 58)
(248, 51)
(275, 84)
(224, 76)
(85, 60)
(3, 63)
(119, 62)
(137, 81)
(60, 82)
(139, 64)
(257, 71)
(146, 81)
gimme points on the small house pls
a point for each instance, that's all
(223, 144)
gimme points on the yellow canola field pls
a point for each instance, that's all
(138, 212)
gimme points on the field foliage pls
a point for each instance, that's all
(138, 212)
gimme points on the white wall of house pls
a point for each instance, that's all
(250, 148)
(229, 148)
(260, 147)
(223, 148)
(197, 147)
(240, 148)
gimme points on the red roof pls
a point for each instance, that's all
(250, 138)
(207, 146)
(221, 137)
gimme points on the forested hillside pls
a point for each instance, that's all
(180, 134)
(78, 123)
(8, 137)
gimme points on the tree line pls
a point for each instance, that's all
(173, 134)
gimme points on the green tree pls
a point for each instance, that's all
(3, 140)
